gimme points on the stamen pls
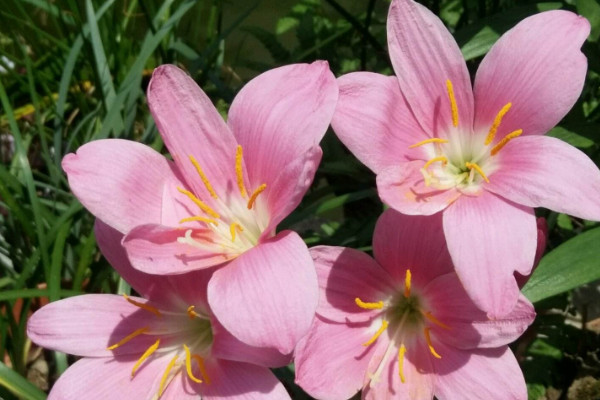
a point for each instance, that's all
(163, 380)
(203, 206)
(198, 218)
(258, 191)
(431, 349)
(233, 227)
(478, 169)
(383, 327)
(144, 356)
(453, 106)
(426, 177)
(143, 306)
(441, 159)
(401, 363)
(128, 338)
(204, 178)
(433, 140)
(505, 140)
(496, 123)
(238, 171)
(188, 365)
(434, 320)
(200, 362)
(191, 313)
(368, 306)
(407, 284)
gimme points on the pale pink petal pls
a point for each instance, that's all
(267, 297)
(542, 171)
(280, 115)
(470, 327)
(481, 374)
(86, 325)
(403, 188)
(538, 67)
(402, 242)
(489, 239)
(425, 55)
(542, 238)
(109, 378)
(119, 181)
(331, 360)
(345, 274)
(374, 121)
(191, 126)
(154, 249)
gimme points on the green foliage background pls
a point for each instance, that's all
(72, 71)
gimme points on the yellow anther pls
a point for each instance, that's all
(191, 313)
(144, 356)
(235, 227)
(383, 327)
(478, 169)
(204, 178)
(441, 159)
(368, 306)
(143, 306)
(434, 320)
(433, 140)
(203, 206)
(431, 349)
(128, 338)
(188, 365)
(494, 128)
(201, 367)
(163, 380)
(258, 191)
(453, 106)
(505, 140)
(239, 172)
(202, 219)
(401, 353)
(407, 280)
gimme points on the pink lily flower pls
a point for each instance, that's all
(222, 197)
(166, 344)
(402, 326)
(475, 154)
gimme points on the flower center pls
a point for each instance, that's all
(197, 331)
(235, 225)
(459, 161)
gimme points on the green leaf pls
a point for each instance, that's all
(591, 10)
(571, 264)
(574, 139)
(18, 385)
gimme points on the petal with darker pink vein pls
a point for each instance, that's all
(374, 121)
(537, 67)
(267, 297)
(119, 181)
(425, 56)
(542, 171)
(155, 249)
(490, 238)
(403, 188)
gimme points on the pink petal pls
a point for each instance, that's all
(280, 115)
(542, 238)
(345, 274)
(402, 242)
(86, 325)
(331, 360)
(538, 67)
(470, 327)
(402, 188)
(546, 172)
(488, 239)
(481, 374)
(424, 55)
(267, 297)
(374, 121)
(191, 126)
(119, 181)
(154, 249)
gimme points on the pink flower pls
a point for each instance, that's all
(475, 154)
(221, 199)
(166, 345)
(402, 326)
